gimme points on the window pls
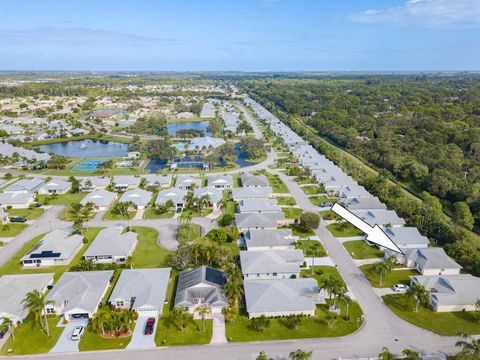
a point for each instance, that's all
(120, 303)
(50, 311)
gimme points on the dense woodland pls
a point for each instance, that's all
(421, 131)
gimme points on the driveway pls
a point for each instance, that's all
(64, 343)
(139, 339)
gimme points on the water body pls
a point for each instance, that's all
(173, 128)
(87, 148)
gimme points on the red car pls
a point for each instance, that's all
(149, 326)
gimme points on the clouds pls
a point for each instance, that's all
(77, 36)
(425, 13)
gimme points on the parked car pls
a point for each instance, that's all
(179, 210)
(77, 332)
(18, 219)
(326, 204)
(37, 205)
(399, 287)
(149, 326)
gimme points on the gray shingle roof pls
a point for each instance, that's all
(432, 258)
(254, 180)
(271, 261)
(251, 193)
(405, 237)
(58, 244)
(15, 198)
(268, 237)
(100, 198)
(57, 185)
(139, 197)
(220, 180)
(380, 217)
(175, 194)
(111, 242)
(29, 185)
(258, 205)
(258, 220)
(363, 203)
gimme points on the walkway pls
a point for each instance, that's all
(218, 331)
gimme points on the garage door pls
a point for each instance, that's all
(147, 312)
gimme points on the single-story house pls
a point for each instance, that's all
(430, 261)
(16, 200)
(258, 206)
(201, 286)
(187, 182)
(349, 191)
(248, 221)
(384, 218)
(249, 180)
(14, 288)
(142, 290)
(24, 186)
(363, 203)
(451, 292)
(406, 238)
(220, 181)
(215, 195)
(101, 199)
(58, 247)
(77, 295)
(139, 197)
(157, 181)
(205, 143)
(251, 193)
(269, 239)
(111, 246)
(125, 182)
(55, 186)
(282, 297)
(271, 264)
(175, 194)
(92, 183)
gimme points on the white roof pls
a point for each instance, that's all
(271, 261)
(379, 217)
(58, 244)
(24, 185)
(258, 205)
(112, 242)
(100, 198)
(259, 220)
(57, 184)
(251, 193)
(139, 197)
(15, 198)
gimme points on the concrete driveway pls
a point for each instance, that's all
(139, 339)
(64, 343)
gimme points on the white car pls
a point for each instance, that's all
(400, 287)
(77, 333)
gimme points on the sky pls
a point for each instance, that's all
(240, 35)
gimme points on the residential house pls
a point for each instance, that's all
(24, 186)
(187, 182)
(55, 186)
(201, 286)
(214, 195)
(384, 218)
(248, 221)
(111, 246)
(363, 203)
(450, 293)
(77, 295)
(176, 195)
(430, 261)
(406, 238)
(156, 181)
(139, 197)
(8, 150)
(203, 144)
(254, 181)
(271, 264)
(258, 206)
(14, 289)
(92, 183)
(220, 181)
(16, 200)
(142, 290)
(282, 297)
(125, 182)
(251, 193)
(101, 199)
(269, 239)
(349, 191)
(58, 247)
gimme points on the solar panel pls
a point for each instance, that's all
(214, 276)
(45, 254)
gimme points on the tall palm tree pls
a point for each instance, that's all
(343, 298)
(185, 219)
(123, 209)
(6, 324)
(35, 303)
(419, 293)
(300, 355)
(233, 289)
(411, 355)
(203, 311)
(181, 317)
(338, 291)
(232, 271)
(471, 347)
(386, 354)
(383, 267)
(101, 319)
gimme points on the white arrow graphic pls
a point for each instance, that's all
(375, 234)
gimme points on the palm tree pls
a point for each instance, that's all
(123, 209)
(181, 317)
(411, 355)
(343, 298)
(338, 291)
(386, 354)
(383, 268)
(102, 318)
(6, 324)
(419, 293)
(471, 348)
(185, 219)
(203, 311)
(232, 271)
(233, 289)
(35, 304)
(300, 355)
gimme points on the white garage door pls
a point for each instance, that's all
(151, 312)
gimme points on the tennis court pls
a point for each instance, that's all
(86, 165)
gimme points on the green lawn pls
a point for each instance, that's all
(312, 189)
(148, 253)
(151, 213)
(31, 339)
(318, 200)
(62, 199)
(11, 230)
(276, 183)
(201, 213)
(444, 323)
(344, 230)
(286, 200)
(322, 272)
(299, 231)
(112, 215)
(236, 180)
(359, 249)
(94, 341)
(188, 231)
(14, 266)
(292, 213)
(311, 327)
(392, 278)
(30, 214)
(311, 248)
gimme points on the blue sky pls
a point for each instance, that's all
(263, 35)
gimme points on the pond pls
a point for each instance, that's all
(87, 148)
(173, 128)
